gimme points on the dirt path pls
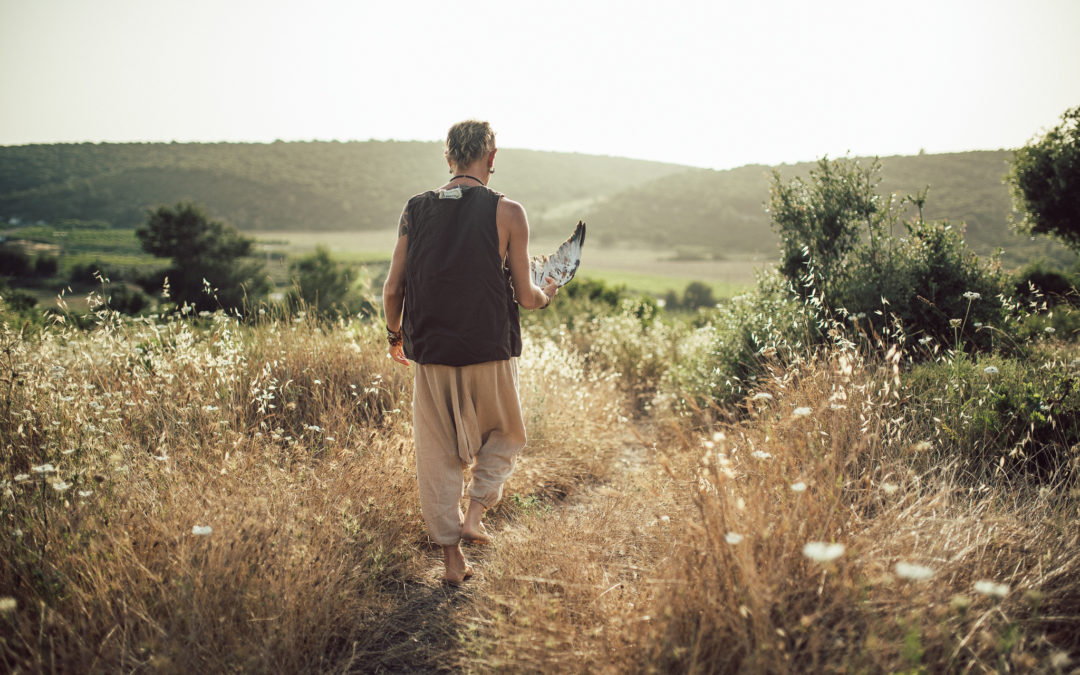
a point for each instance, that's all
(563, 563)
(557, 552)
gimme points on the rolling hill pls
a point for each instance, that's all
(331, 186)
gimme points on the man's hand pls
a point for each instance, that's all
(550, 290)
(397, 352)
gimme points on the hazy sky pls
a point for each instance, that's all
(715, 84)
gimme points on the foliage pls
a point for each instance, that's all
(15, 261)
(1045, 180)
(208, 268)
(362, 185)
(1003, 415)
(326, 286)
(696, 295)
(840, 249)
(1039, 281)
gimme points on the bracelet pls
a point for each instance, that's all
(393, 337)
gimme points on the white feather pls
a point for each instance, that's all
(562, 264)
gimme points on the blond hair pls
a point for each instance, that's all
(468, 141)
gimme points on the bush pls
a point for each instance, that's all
(1037, 281)
(14, 262)
(125, 299)
(45, 266)
(1003, 414)
(932, 285)
(744, 337)
(839, 249)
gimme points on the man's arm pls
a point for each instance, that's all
(511, 216)
(394, 287)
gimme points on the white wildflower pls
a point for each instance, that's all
(802, 412)
(798, 487)
(925, 340)
(758, 454)
(8, 605)
(85, 493)
(889, 488)
(821, 552)
(43, 468)
(991, 588)
(718, 436)
(733, 538)
(17, 533)
(990, 370)
(202, 530)
(972, 295)
(68, 451)
(61, 486)
(1049, 329)
(762, 396)
(913, 571)
(22, 477)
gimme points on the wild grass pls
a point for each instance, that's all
(636, 535)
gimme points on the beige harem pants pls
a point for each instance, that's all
(461, 416)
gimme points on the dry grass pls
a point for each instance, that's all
(291, 441)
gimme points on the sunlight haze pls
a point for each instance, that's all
(702, 83)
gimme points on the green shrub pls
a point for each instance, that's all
(932, 285)
(839, 249)
(14, 261)
(768, 325)
(1020, 416)
(1037, 282)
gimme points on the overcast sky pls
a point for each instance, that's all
(713, 84)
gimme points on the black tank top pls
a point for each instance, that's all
(459, 304)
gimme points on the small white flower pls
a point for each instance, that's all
(22, 477)
(718, 436)
(758, 454)
(798, 487)
(202, 530)
(210, 408)
(665, 519)
(821, 552)
(68, 451)
(8, 605)
(17, 533)
(60, 485)
(85, 493)
(802, 412)
(762, 396)
(1049, 329)
(990, 370)
(889, 488)
(972, 295)
(43, 468)
(992, 588)
(161, 458)
(925, 340)
(733, 538)
(913, 571)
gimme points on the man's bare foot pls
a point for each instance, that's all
(472, 530)
(457, 569)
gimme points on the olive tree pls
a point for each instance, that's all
(1045, 182)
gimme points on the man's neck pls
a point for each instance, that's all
(477, 170)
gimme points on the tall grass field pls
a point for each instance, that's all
(214, 493)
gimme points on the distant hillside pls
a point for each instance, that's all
(330, 186)
(281, 186)
(723, 212)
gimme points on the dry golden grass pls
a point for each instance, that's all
(291, 441)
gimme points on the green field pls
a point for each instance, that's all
(640, 269)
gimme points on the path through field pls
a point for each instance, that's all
(566, 562)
